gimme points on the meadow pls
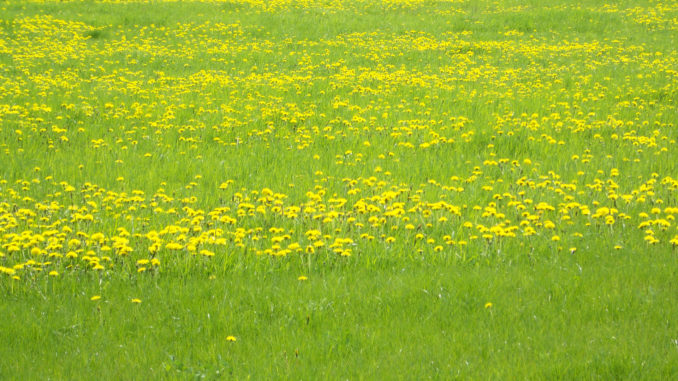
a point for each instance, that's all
(325, 189)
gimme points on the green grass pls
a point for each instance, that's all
(451, 155)
(601, 316)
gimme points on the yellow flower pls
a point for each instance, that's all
(53, 273)
(231, 338)
(303, 277)
(95, 298)
(135, 300)
(488, 305)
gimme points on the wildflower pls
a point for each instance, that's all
(136, 301)
(231, 338)
(95, 298)
(302, 278)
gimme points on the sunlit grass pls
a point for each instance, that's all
(410, 189)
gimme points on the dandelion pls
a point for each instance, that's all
(302, 278)
(574, 193)
(231, 338)
(95, 298)
(136, 301)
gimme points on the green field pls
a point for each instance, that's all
(325, 189)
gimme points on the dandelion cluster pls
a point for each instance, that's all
(127, 149)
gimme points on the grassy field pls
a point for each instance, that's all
(324, 189)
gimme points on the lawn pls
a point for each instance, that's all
(323, 189)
